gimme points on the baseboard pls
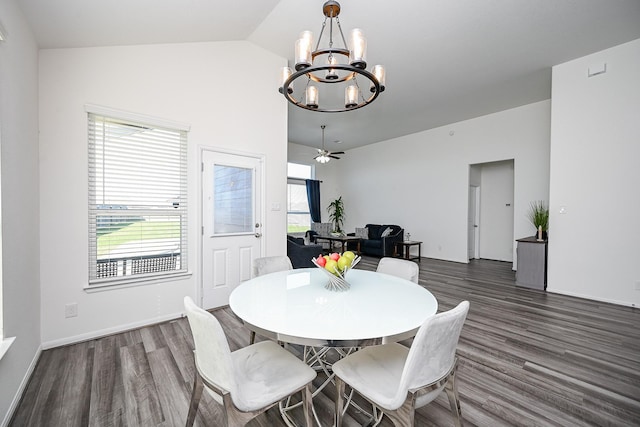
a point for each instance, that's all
(592, 298)
(21, 389)
(108, 331)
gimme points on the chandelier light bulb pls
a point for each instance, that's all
(351, 96)
(358, 54)
(331, 74)
(312, 97)
(303, 50)
(286, 73)
(380, 75)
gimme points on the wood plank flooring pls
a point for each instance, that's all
(527, 358)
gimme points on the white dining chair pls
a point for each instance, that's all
(246, 382)
(399, 267)
(398, 380)
(271, 264)
(266, 265)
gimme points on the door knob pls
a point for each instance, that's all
(258, 235)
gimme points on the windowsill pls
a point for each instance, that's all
(5, 344)
(108, 286)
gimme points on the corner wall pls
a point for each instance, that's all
(421, 181)
(595, 149)
(19, 168)
(210, 86)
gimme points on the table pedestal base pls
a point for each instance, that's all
(321, 359)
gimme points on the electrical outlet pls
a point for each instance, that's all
(71, 310)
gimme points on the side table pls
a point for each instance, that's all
(403, 249)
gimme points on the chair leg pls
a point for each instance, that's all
(454, 401)
(252, 337)
(405, 414)
(196, 394)
(307, 405)
(340, 386)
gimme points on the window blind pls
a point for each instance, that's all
(137, 200)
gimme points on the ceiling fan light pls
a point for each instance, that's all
(322, 159)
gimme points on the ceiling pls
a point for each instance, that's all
(446, 60)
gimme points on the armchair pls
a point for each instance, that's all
(301, 254)
(381, 239)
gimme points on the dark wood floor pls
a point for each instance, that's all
(527, 358)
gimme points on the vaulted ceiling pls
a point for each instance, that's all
(446, 60)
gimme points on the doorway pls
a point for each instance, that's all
(232, 203)
(490, 224)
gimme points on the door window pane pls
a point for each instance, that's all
(233, 200)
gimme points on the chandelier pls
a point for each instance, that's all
(339, 71)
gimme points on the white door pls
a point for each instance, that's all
(231, 222)
(473, 221)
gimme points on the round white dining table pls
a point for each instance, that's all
(295, 307)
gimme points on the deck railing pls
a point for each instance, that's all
(115, 267)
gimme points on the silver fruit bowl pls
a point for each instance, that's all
(337, 281)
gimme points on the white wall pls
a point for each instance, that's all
(20, 255)
(421, 181)
(595, 151)
(212, 87)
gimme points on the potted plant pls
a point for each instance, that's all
(336, 214)
(538, 215)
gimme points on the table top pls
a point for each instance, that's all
(409, 242)
(294, 306)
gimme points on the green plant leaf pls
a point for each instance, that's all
(538, 214)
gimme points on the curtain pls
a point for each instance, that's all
(313, 197)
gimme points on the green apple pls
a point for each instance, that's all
(344, 262)
(331, 266)
(349, 254)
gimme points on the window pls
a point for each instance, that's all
(233, 200)
(298, 217)
(137, 198)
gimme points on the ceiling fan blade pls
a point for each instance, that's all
(334, 157)
(337, 152)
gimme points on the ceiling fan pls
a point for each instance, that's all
(324, 155)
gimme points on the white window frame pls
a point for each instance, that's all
(178, 263)
(298, 181)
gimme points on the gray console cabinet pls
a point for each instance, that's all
(532, 263)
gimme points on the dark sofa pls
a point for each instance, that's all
(377, 245)
(301, 254)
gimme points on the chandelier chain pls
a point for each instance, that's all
(341, 33)
(324, 24)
